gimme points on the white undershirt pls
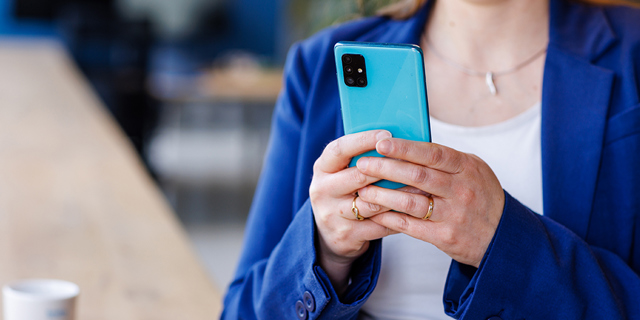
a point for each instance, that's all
(413, 272)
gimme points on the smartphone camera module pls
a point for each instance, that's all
(355, 73)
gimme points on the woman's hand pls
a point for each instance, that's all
(341, 237)
(468, 198)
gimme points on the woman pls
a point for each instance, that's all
(533, 189)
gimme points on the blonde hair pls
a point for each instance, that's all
(403, 9)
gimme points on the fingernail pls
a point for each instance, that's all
(362, 164)
(383, 146)
(383, 135)
(361, 191)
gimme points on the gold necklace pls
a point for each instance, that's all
(489, 76)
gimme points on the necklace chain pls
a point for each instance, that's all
(488, 75)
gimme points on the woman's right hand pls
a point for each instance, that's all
(341, 237)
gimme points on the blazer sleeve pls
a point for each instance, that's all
(277, 276)
(535, 268)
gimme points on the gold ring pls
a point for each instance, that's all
(430, 211)
(355, 210)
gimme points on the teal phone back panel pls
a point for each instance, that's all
(394, 99)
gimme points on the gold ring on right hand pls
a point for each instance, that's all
(429, 211)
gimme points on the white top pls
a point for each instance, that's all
(414, 272)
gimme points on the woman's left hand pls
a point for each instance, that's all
(468, 199)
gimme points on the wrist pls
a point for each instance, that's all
(337, 268)
(338, 273)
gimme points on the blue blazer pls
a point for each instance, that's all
(581, 260)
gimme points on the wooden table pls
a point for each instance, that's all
(241, 85)
(76, 203)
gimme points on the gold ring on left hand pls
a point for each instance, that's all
(355, 210)
(430, 211)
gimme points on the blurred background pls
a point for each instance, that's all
(192, 83)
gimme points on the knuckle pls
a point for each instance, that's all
(357, 177)
(372, 207)
(403, 149)
(343, 232)
(436, 156)
(313, 190)
(402, 224)
(323, 219)
(369, 195)
(466, 197)
(316, 165)
(376, 164)
(316, 189)
(419, 175)
(335, 148)
(410, 204)
(465, 161)
(472, 157)
(458, 219)
(338, 246)
(364, 140)
(448, 237)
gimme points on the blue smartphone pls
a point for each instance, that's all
(382, 86)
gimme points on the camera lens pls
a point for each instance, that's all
(350, 81)
(347, 59)
(362, 82)
(348, 70)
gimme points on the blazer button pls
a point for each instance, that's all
(309, 301)
(494, 318)
(301, 311)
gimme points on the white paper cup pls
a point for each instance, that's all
(40, 299)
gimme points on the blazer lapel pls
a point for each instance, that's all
(575, 102)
